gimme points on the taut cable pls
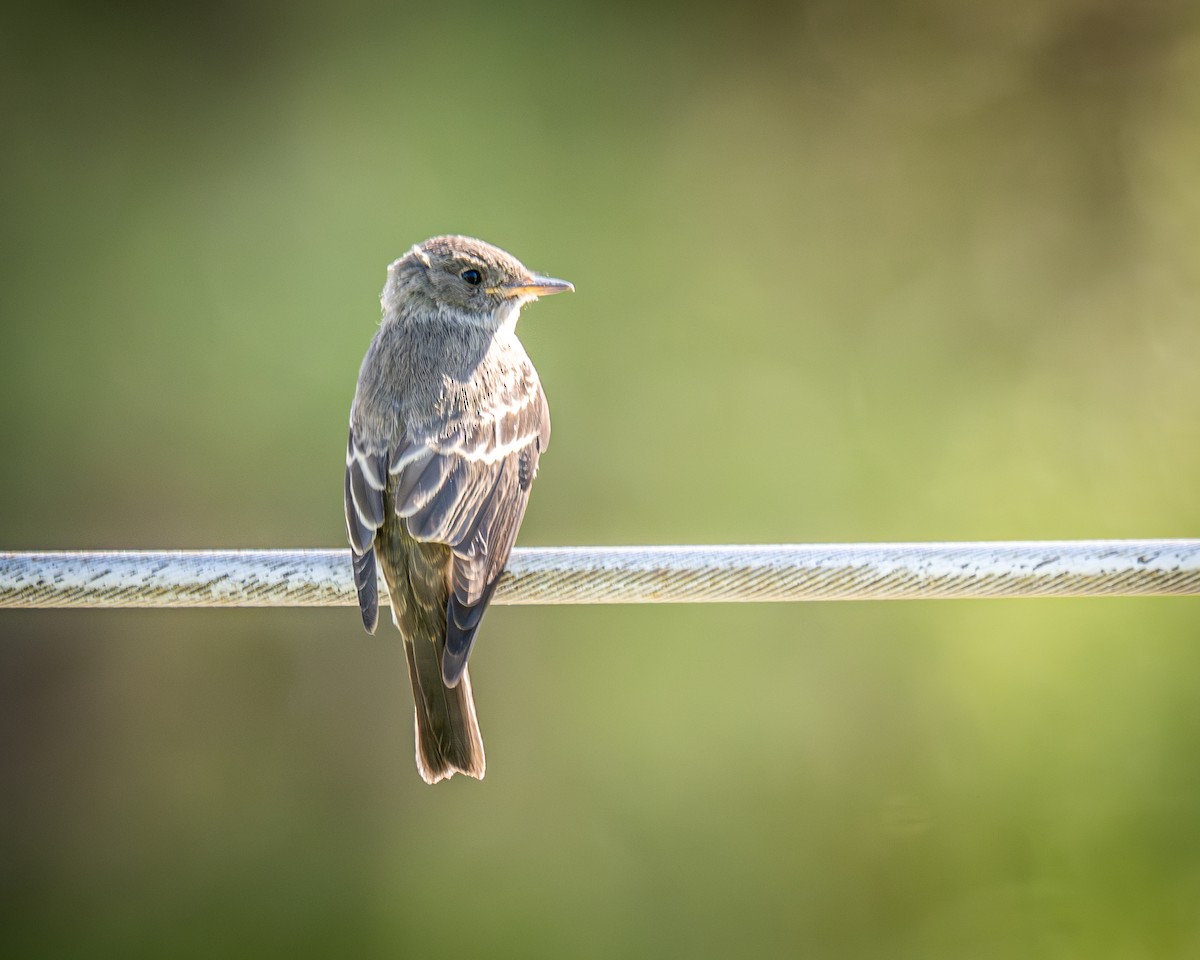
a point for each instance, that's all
(668, 574)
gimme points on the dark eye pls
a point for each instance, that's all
(473, 277)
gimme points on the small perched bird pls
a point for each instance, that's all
(446, 428)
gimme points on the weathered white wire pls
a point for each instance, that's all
(682, 574)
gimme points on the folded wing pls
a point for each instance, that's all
(366, 483)
(464, 483)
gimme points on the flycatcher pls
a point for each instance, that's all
(446, 428)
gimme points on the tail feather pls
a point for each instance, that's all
(447, 732)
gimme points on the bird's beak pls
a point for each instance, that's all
(537, 286)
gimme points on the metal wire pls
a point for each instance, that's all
(682, 574)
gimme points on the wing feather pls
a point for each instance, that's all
(459, 478)
(366, 472)
(423, 499)
(466, 484)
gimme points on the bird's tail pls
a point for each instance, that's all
(448, 739)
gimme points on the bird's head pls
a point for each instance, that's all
(466, 278)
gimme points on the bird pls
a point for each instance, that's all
(447, 425)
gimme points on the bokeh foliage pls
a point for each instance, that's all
(846, 271)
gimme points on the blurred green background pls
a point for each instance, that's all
(846, 271)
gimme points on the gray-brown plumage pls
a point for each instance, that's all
(447, 425)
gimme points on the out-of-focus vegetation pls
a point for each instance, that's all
(846, 271)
